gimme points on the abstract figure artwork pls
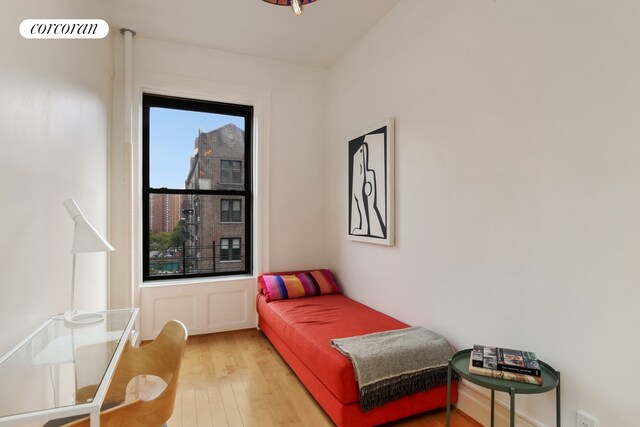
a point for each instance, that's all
(371, 185)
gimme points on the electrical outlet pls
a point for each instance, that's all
(585, 420)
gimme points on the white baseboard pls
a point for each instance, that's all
(475, 401)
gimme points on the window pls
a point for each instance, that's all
(197, 165)
(230, 172)
(230, 249)
(230, 210)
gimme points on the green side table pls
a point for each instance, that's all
(459, 363)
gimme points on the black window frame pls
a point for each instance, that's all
(151, 100)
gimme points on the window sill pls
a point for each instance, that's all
(197, 281)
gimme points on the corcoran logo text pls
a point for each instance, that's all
(64, 29)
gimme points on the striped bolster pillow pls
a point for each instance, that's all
(296, 285)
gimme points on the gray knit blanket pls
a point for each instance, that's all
(394, 364)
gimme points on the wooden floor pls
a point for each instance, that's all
(238, 379)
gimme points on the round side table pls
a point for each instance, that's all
(459, 363)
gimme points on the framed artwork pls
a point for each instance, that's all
(370, 158)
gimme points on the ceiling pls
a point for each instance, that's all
(318, 37)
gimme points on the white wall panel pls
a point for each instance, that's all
(172, 307)
(204, 307)
(228, 309)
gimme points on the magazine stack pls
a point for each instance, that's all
(505, 363)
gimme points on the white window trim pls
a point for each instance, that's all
(160, 84)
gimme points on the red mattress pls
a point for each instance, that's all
(301, 330)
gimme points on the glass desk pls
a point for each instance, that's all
(459, 363)
(41, 375)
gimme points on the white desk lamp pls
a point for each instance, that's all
(85, 239)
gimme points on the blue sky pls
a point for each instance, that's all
(171, 136)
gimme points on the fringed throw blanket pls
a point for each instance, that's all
(393, 364)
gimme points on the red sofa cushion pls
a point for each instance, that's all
(297, 284)
(307, 325)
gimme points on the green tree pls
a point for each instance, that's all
(161, 241)
(177, 232)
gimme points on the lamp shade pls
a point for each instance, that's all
(85, 238)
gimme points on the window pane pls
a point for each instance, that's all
(236, 211)
(230, 249)
(224, 249)
(185, 148)
(224, 211)
(188, 235)
(235, 250)
(230, 173)
(230, 210)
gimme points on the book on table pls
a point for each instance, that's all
(506, 359)
(508, 364)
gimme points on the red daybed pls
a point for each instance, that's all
(301, 330)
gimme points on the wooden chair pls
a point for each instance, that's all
(161, 358)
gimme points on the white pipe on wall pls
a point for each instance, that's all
(128, 82)
(128, 147)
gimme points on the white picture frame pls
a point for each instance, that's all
(370, 209)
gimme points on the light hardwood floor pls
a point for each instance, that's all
(238, 379)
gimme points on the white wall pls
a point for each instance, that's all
(296, 101)
(54, 106)
(516, 184)
(54, 131)
(297, 113)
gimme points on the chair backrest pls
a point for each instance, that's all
(162, 358)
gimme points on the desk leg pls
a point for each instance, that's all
(558, 401)
(493, 404)
(449, 394)
(94, 419)
(512, 408)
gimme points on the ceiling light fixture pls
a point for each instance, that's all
(296, 5)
